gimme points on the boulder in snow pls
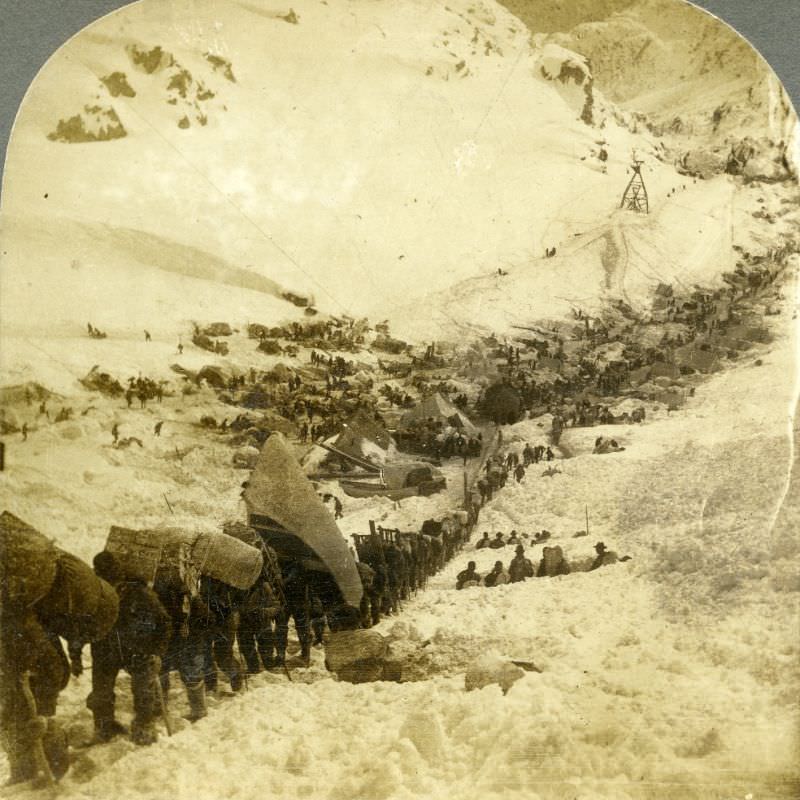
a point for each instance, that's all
(702, 163)
(572, 77)
(767, 167)
(489, 669)
(360, 657)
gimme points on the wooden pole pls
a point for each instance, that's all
(40, 759)
(159, 691)
(587, 520)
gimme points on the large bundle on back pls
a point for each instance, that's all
(289, 515)
(80, 605)
(163, 552)
(27, 561)
(226, 559)
(432, 527)
(137, 552)
(244, 533)
(178, 556)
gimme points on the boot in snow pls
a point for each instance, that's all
(106, 729)
(56, 748)
(197, 701)
(143, 732)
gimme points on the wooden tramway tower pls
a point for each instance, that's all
(635, 197)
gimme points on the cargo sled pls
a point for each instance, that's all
(398, 482)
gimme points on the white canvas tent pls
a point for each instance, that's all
(436, 407)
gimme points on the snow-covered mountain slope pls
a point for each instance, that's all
(695, 231)
(122, 279)
(548, 16)
(684, 69)
(430, 144)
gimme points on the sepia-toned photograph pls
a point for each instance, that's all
(397, 402)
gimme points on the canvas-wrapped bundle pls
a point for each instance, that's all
(177, 566)
(138, 553)
(244, 533)
(28, 561)
(227, 559)
(166, 552)
(80, 605)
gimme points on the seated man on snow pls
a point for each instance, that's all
(604, 557)
(468, 577)
(498, 576)
(520, 567)
(484, 542)
(497, 542)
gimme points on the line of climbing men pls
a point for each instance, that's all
(188, 624)
(180, 621)
(395, 564)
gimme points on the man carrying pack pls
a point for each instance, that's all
(46, 594)
(137, 643)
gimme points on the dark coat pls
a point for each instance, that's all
(520, 568)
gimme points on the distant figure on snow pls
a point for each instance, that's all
(180, 349)
(604, 557)
(147, 337)
(520, 567)
(157, 428)
(484, 542)
(468, 577)
(552, 563)
(115, 432)
(497, 542)
(24, 431)
(498, 576)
